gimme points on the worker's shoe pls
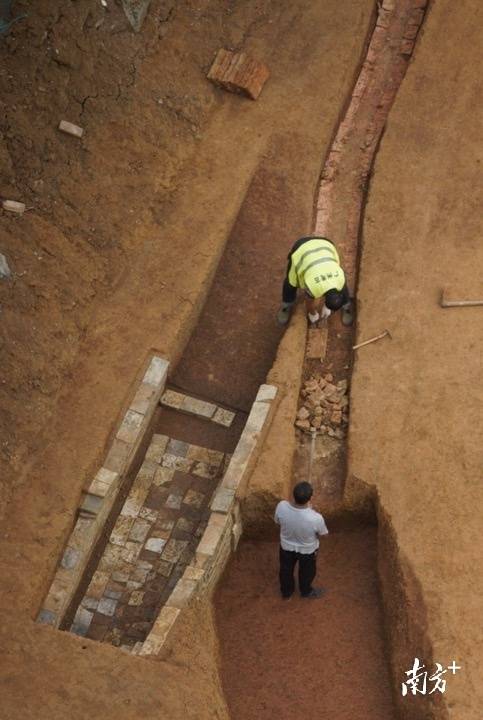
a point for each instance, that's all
(315, 594)
(347, 314)
(283, 315)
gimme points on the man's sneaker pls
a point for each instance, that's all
(283, 315)
(347, 315)
(315, 593)
(287, 597)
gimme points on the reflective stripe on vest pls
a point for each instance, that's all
(315, 267)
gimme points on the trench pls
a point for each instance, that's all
(328, 658)
(333, 651)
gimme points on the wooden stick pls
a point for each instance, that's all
(371, 340)
(459, 303)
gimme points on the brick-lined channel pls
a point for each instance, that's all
(339, 209)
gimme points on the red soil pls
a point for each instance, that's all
(301, 659)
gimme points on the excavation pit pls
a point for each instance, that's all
(305, 658)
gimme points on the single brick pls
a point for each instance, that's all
(143, 399)
(131, 552)
(70, 558)
(172, 399)
(13, 206)
(140, 530)
(194, 406)
(157, 448)
(91, 504)
(107, 606)
(136, 597)
(131, 426)
(173, 550)
(82, 621)
(157, 372)
(162, 476)
(238, 72)
(155, 544)
(204, 470)
(182, 593)
(71, 129)
(117, 456)
(266, 393)
(176, 463)
(223, 417)
(223, 500)
(121, 530)
(147, 514)
(194, 498)
(47, 617)
(102, 482)
(174, 501)
(178, 448)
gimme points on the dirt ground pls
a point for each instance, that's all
(114, 258)
(416, 400)
(299, 658)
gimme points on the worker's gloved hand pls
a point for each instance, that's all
(314, 317)
(326, 313)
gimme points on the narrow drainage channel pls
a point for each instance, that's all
(324, 659)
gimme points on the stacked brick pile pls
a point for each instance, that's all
(325, 406)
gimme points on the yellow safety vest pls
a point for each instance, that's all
(315, 267)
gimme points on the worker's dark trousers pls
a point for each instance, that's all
(307, 570)
(289, 292)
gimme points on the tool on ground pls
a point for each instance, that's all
(457, 303)
(373, 339)
(313, 433)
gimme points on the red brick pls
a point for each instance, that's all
(238, 72)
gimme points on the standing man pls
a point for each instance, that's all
(300, 527)
(314, 266)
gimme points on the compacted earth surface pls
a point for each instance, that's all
(305, 658)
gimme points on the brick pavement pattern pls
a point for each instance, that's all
(152, 542)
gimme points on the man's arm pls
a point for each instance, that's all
(312, 304)
(321, 526)
(276, 516)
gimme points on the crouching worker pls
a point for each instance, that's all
(314, 266)
(300, 527)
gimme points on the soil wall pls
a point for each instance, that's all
(415, 404)
(272, 476)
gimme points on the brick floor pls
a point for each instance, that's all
(152, 542)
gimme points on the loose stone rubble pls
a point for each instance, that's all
(325, 406)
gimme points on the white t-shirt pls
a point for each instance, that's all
(299, 527)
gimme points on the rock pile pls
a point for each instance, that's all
(325, 406)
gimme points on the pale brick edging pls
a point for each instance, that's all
(201, 408)
(224, 527)
(98, 500)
